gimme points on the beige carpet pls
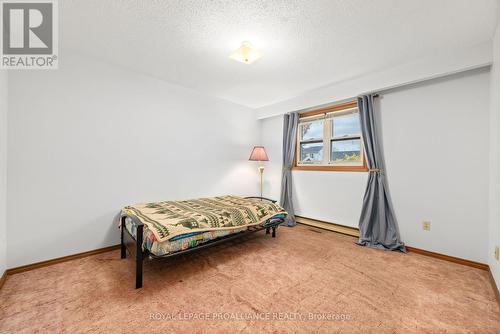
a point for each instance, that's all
(261, 285)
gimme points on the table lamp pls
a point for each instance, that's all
(259, 154)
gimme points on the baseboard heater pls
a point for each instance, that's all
(352, 231)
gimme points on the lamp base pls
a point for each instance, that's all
(261, 170)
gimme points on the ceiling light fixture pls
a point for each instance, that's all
(245, 54)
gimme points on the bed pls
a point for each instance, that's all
(161, 230)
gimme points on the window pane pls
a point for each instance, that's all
(313, 130)
(346, 125)
(311, 152)
(346, 151)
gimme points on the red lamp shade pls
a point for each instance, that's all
(258, 154)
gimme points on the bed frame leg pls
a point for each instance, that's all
(268, 230)
(274, 232)
(138, 257)
(123, 249)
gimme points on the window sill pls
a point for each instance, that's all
(332, 168)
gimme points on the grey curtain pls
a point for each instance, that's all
(290, 123)
(377, 223)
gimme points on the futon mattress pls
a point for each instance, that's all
(177, 225)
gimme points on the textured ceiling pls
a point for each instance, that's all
(305, 44)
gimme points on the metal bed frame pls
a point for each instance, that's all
(134, 245)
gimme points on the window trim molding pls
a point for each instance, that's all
(332, 168)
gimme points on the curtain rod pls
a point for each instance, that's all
(326, 105)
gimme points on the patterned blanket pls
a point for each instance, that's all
(173, 218)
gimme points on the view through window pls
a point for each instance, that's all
(330, 138)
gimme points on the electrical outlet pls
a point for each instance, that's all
(426, 225)
(497, 253)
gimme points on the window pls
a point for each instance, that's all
(330, 139)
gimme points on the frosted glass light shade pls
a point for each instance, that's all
(245, 54)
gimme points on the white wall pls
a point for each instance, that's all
(435, 137)
(329, 196)
(431, 67)
(3, 171)
(494, 228)
(89, 138)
